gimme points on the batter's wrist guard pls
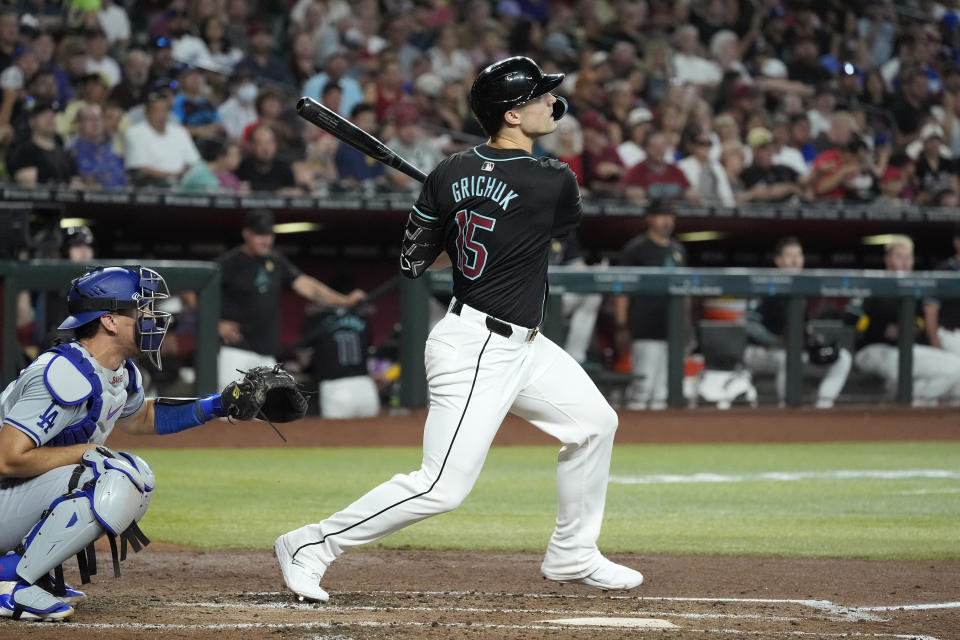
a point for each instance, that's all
(422, 243)
(172, 415)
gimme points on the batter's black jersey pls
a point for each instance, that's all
(499, 209)
(647, 315)
(949, 315)
(251, 289)
(340, 340)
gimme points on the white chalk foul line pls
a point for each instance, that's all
(300, 606)
(913, 607)
(788, 476)
(835, 612)
(240, 626)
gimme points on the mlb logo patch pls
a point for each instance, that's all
(487, 166)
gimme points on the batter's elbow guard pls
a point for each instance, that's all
(422, 243)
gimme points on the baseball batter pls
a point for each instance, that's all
(494, 209)
(60, 488)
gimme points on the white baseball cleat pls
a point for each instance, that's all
(299, 578)
(609, 576)
(30, 602)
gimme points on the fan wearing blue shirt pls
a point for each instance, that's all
(354, 166)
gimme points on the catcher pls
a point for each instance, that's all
(60, 488)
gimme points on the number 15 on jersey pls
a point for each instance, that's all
(471, 254)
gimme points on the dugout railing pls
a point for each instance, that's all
(680, 283)
(55, 275)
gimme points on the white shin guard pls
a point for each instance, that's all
(69, 527)
(110, 504)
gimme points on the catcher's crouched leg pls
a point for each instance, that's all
(110, 502)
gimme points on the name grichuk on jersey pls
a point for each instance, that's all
(499, 209)
(54, 395)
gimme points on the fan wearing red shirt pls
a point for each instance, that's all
(833, 168)
(654, 178)
(602, 168)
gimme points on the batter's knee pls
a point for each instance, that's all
(449, 494)
(607, 419)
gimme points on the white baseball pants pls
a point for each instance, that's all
(950, 339)
(649, 388)
(582, 308)
(475, 378)
(767, 360)
(936, 373)
(353, 397)
(232, 360)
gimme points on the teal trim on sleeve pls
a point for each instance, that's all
(421, 213)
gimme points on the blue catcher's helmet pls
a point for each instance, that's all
(110, 289)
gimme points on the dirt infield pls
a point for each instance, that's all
(168, 592)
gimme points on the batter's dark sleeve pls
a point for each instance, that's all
(423, 233)
(569, 205)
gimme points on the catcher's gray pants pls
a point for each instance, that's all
(770, 360)
(476, 377)
(22, 505)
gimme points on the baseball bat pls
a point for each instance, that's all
(341, 128)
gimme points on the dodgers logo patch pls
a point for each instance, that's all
(486, 166)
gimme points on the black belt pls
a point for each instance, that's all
(498, 327)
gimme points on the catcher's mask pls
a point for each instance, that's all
(510, 83)
(110, 289)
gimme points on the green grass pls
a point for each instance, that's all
(244, 498)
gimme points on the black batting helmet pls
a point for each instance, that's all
(507, 84)
(77, 237)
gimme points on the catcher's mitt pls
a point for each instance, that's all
(264, 392)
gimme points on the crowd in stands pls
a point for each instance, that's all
(720, 102)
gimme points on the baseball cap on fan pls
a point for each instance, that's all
(259, 221)
(759, 137)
